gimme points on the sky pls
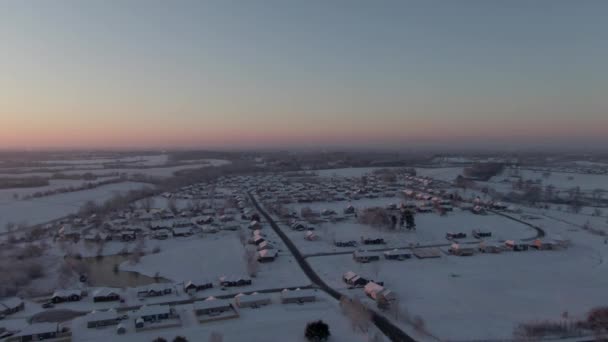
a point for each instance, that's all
(308, 73)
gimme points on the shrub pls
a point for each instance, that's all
(317, 331)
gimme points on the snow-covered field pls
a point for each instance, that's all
(144, 160)
(153, 170)
(562, 180)
(217, 255)
(447, 174)
(484, 296)
(8, 195)
(49, 208)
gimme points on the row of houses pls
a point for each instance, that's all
(369, 256)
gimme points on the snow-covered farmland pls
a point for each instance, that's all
(486, 293)
(446, 174)
(36, 211)
(561, 180)
(216, 255)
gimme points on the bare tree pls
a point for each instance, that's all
(251, 261)
(375, 269)
(147, 203)
(138, 251)
(358, 314)
(172, 205)
(243, 237)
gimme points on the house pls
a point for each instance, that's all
(182, 231)
(195, 286)
(478, 234)
(38, 332)
(212, 306)
(490, 248)
(349, 210)
(298, 296)
(365, 256)
(61, 296)
(209, 229)
(253, 225)
(253, 300)
(456, 249)
(153, 313)
(97, 319)
(351, 278)
(161, 234)
(212, 309)
(372, 241)
(385, 298)
(267, 255)
(154, 290)
(156, 225)
(544, 244)
(310, 236)
(452, 235)
(11, 305)
(298, 226)
(351, 243)
(69, 231)
(182, 223)
(265, 245)
(128, 235)
(257, 240)
(372, 290)
(425, 253)
(204, 219)
(234, 281)
(516, 246)
(105, 295)
(397, 254)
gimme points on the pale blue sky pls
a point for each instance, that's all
(213, 73)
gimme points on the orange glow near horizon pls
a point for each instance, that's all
(139, 133)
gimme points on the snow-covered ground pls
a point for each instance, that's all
(447, 174)
(561, 180)
(8, 195)
(41, 210)
(217, 255)
(153, 171)
(272, 323)
(431, 228)
(143, 160)
(485, 296)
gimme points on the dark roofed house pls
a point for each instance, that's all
(105, 295)
(11, 305)
(38, 332)
(212, 309)
(97, 319)
(195, 286)
(365, 256)
(61, 296)
(298, 296)
(234, 281)
(397, 254)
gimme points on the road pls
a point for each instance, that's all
(390, 330)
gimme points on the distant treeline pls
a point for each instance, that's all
(29, 182)
(483, 171)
